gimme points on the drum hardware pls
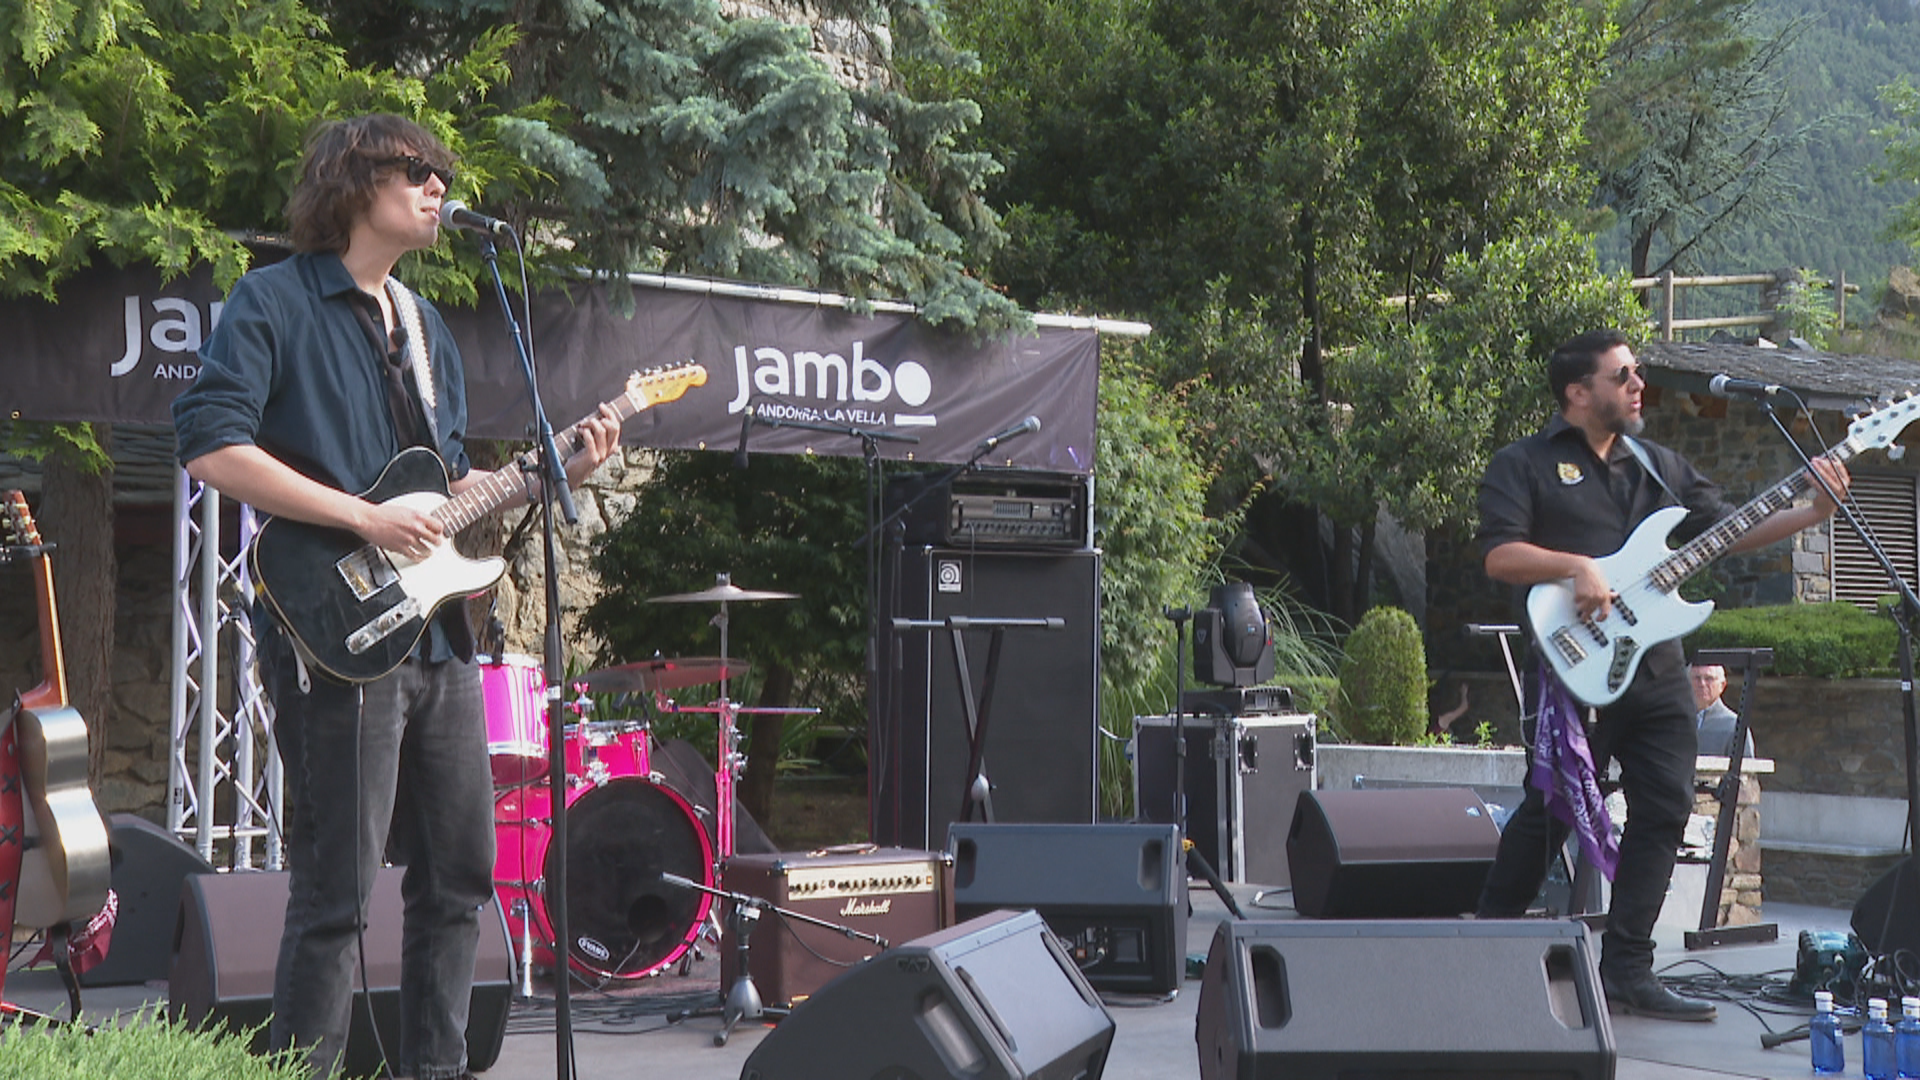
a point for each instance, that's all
(742, 1001)
(523, 952)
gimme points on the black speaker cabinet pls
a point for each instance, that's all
(1886, 918)
(149, 866)
(1041, 717)
(1441, 1000)
(1244, 779)
(994, 998)
(1116, 895)
(227, 942)
(1387, 853)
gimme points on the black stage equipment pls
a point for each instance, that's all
(1245, 775)
(226, 944)
(1038, 754)
(1231, 643)
(995, 998)
(993, 508)
(1385, 853)
(1115, 894)
(150, 865)
(1443, 1000)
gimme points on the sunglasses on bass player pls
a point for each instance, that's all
(418, 169)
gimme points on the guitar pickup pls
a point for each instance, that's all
(1593, 630)
(1625, 612)
(383, 625)
(366, 570)
(1624, 649)
(1567, 646)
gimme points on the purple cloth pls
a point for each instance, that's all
(1563, 771)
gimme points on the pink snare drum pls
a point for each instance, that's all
(600, 750)
(624, 920)
(514, 689)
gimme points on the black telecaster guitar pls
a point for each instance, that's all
(356, 610)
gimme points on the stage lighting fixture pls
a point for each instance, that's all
(1231, 644)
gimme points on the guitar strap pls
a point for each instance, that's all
(1646, 462)
(407, 310)
(12, 833)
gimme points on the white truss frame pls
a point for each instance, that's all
(233, 791)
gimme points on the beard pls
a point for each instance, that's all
(1619, 423)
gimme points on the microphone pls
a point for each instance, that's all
(1727, 386)
(455, 215)
(1030, 424)
(740, 452)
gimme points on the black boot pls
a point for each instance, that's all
(1641, 994)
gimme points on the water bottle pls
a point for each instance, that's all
(1876, 1054)
(1823, 1032)
(1906, 1038)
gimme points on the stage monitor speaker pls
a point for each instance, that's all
(226, 944)
(1389, 853)
(1886, 918)
(994, 998)
(150, 865)
(1042, 717)
(1115, 894)
(1433, 1000)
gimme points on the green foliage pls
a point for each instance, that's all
(148, 1046)
(1902, 171)
(1832, 641)
(160, 132)
(32, 441)
(1383, 680)
(701, 142)
(1692, 138)
(786, 524)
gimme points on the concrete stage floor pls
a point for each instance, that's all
(623, 1033)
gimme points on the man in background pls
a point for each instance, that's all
(1714, 722)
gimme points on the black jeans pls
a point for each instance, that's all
(1650, 732)
(395, 767)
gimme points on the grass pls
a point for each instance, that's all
(144, 1045)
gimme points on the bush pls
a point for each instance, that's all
(1383, 680)
(1831, 641)
(148, 1046)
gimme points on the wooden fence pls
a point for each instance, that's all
(1771, 286)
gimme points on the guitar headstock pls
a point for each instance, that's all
(1878, 429)
(660, 385)
(20, 526)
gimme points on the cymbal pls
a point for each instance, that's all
(663, 673)
(722, 591)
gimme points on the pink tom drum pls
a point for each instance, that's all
(514, 690)
(624, 921)
(599, 750)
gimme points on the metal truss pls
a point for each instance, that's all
(224, 780)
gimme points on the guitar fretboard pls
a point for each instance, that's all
(1690, 558)
(515, 482)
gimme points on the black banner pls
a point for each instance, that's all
(119, 346)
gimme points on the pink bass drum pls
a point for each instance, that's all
(623, 831)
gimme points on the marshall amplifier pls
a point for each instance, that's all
(895, 893)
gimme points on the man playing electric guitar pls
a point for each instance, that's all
(322, 369)
(1550, 505)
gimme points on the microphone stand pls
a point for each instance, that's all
(552, 487)
(1904, 872)
(743, 914)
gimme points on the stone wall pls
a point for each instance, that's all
(1741, 887)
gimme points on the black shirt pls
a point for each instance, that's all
(1551, 490)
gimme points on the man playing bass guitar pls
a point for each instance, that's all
(323, 368)
(1550, 505)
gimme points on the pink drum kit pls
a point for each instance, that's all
(625, 827)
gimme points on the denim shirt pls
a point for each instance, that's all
(290, 369)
